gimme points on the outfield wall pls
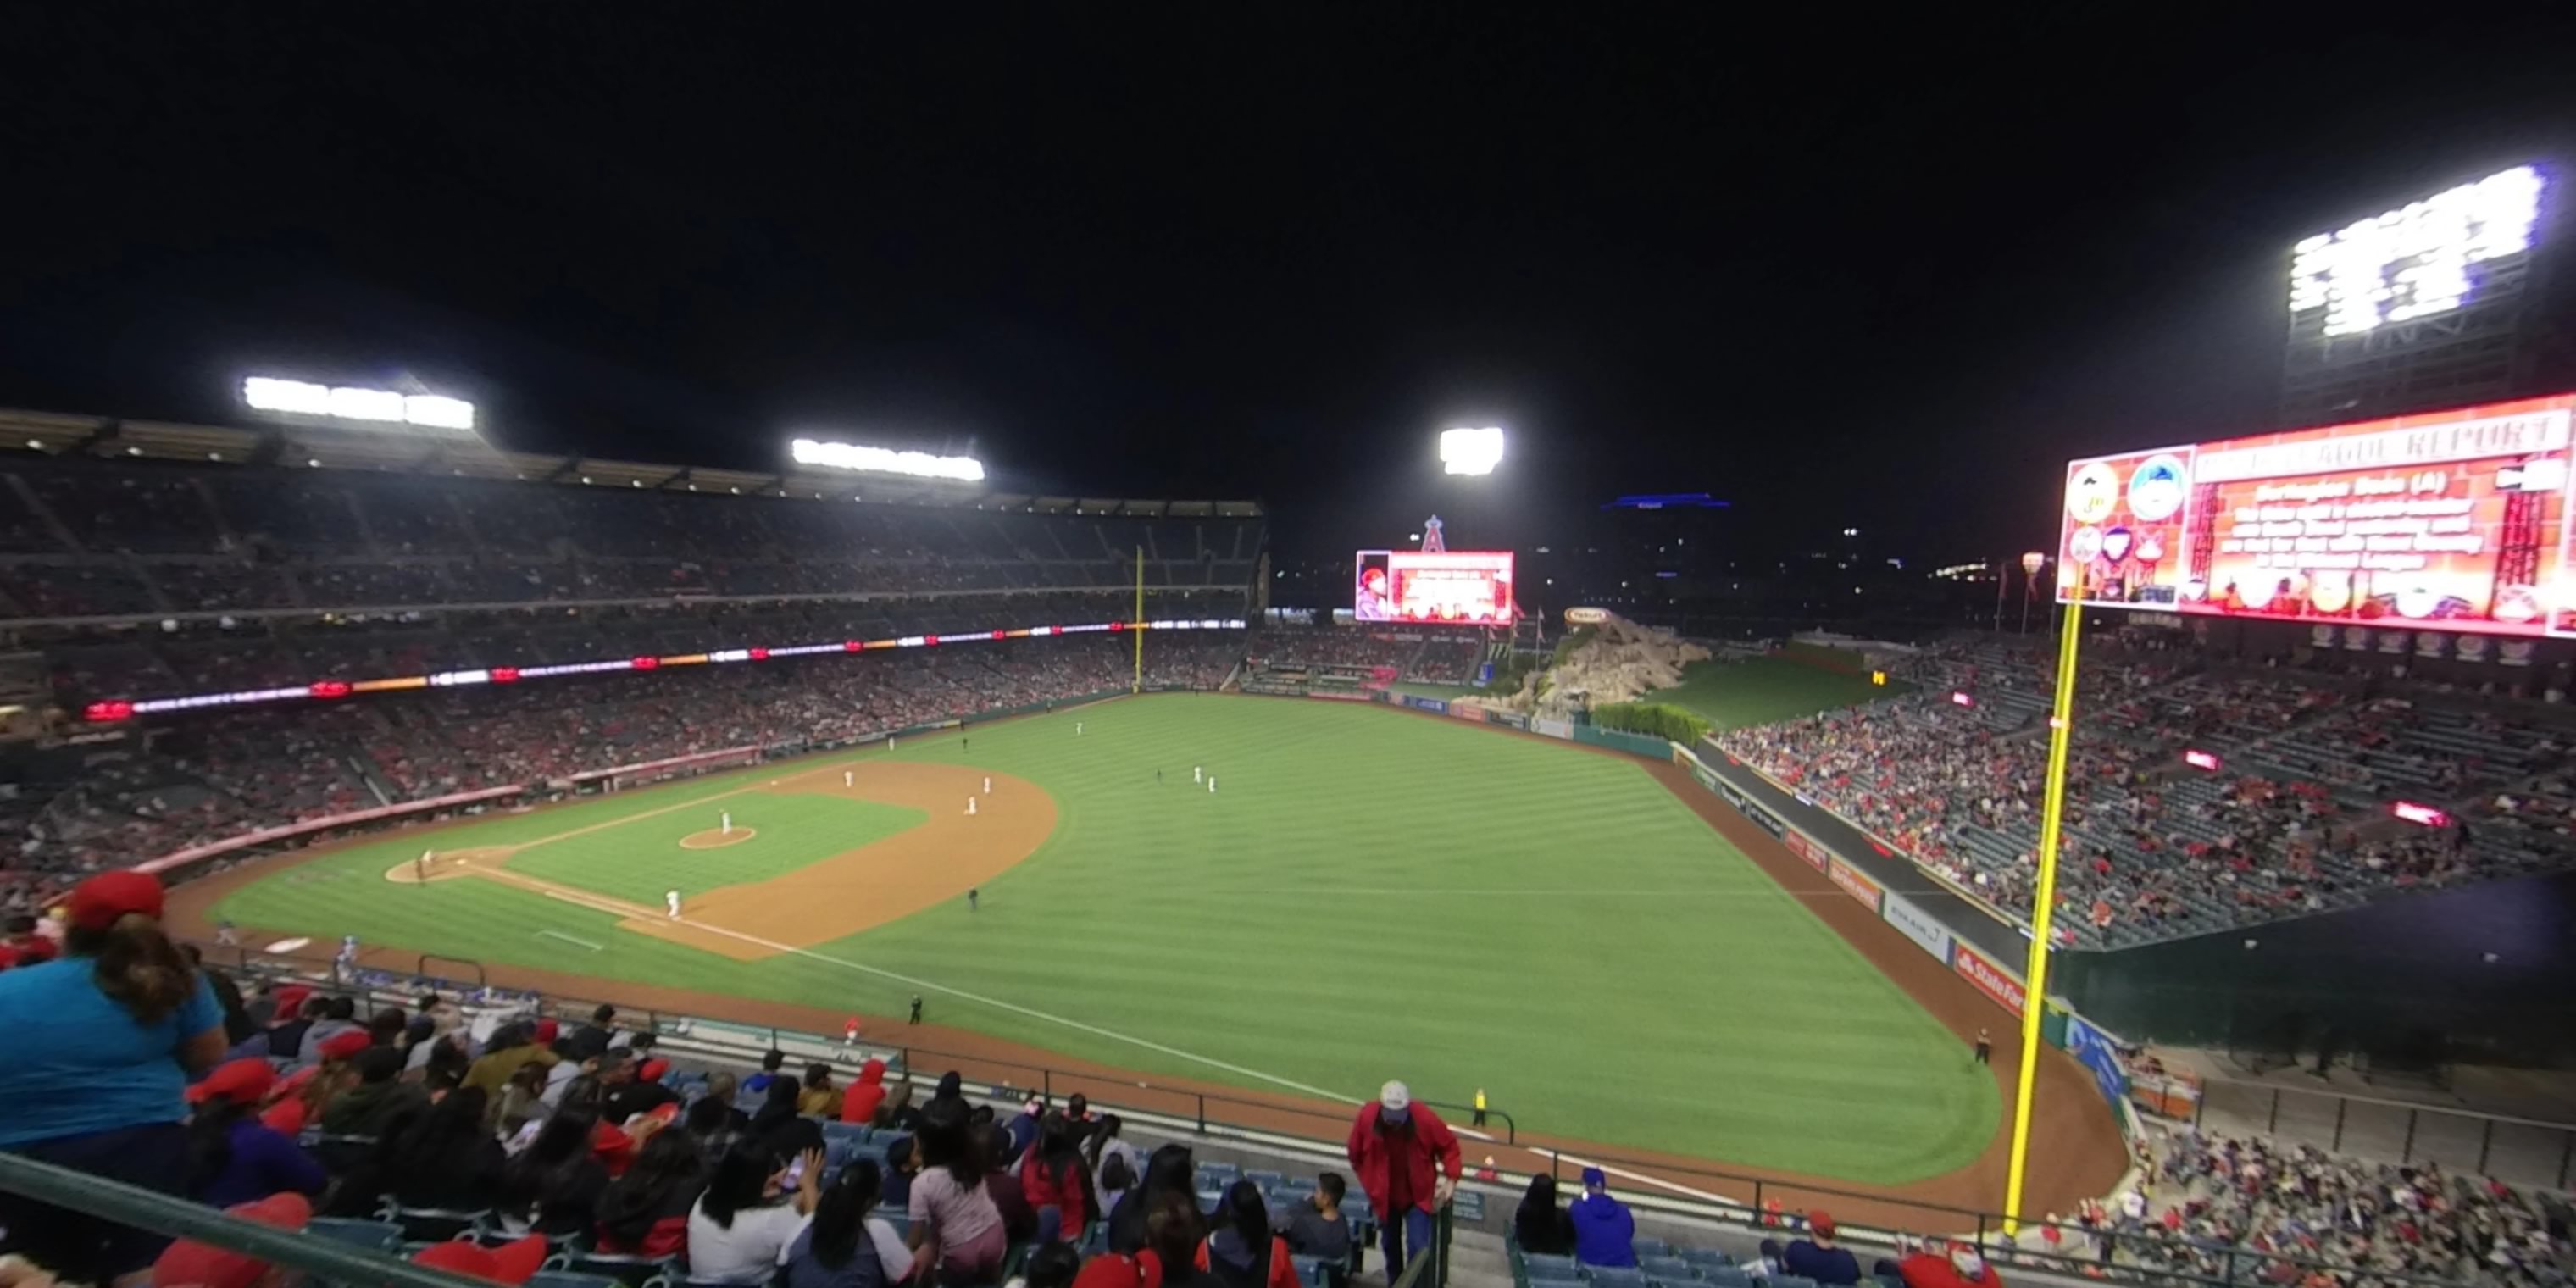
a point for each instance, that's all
(2406, 982)
(1945, 922)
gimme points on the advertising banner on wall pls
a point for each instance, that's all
(1552, 728)
(2101, 1056)
(1989, 976)
(1920, 926)
(1804, 847)
(1508, 719)
(1854, 883)
(1433, 705)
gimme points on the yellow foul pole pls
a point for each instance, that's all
(2052, 815)
(1137, 627)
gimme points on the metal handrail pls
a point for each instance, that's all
(152, 1210)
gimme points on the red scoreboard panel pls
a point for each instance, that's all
(1433, 588)
(2450, 520)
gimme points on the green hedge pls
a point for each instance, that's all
(1657, 719)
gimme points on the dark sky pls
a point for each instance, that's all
(1842, 272)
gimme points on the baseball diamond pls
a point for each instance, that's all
(1560, 926)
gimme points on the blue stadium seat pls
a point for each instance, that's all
(1619, 1276)
(433, 1225)
(1266, 1179)
(1646, 1247)
(1728, 1276)
(624, 1270)
(1792, 1281)
(1666, 1270)
(1704, 1257)
(382, 1236)
(1556, 1266)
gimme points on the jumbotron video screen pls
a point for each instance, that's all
(1434, 588)
(2449, 520)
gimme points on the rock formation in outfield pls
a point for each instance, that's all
(1620, 661)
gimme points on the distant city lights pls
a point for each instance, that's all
(1471, 451)
(2413, 262)
(881, 460)
(370, 406)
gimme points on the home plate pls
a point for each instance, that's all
(288, 945)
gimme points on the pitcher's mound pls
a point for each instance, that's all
(715, 839)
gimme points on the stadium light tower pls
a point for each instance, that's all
(1471, 451)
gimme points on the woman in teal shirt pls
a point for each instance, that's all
(102, 1045)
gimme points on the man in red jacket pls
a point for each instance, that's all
(1408, 1164)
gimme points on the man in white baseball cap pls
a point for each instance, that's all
(1408, 1163)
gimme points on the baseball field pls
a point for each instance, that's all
(1366, 894)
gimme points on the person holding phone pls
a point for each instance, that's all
(753, 1209)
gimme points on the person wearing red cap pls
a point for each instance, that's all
(235, 1158)
(28, 944)
(102, 1043)
(1816, 1256)
(203, 1265)
(1408, 1163)
(1957, 1266)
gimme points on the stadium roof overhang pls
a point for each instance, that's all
(300, 446)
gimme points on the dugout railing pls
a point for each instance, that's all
(1753, 1204)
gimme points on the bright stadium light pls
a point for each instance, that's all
(364, 406)
(1471, 451)
(2414, 261)
(881, 460)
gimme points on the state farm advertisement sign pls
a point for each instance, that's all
(1990, 978)
(1799, 844)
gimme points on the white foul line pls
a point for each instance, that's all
(1016, 1009)
(557, 934)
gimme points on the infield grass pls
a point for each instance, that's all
(1370, 894)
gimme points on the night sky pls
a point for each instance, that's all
(1844, 273)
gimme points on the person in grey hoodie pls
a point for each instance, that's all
(339, 1017)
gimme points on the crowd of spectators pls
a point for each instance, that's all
(540, 1139)
(131, 538)
(224, 774)
(2208, 1196)
(2292, 816)
(1439, 657)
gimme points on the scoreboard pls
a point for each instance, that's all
(2449, 520)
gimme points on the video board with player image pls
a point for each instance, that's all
(2449, 520)
(1433, 588)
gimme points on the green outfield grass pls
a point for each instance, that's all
(1371, 894)
(1762, 690)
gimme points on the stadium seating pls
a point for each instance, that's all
(2296, 822)
(85, 538)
